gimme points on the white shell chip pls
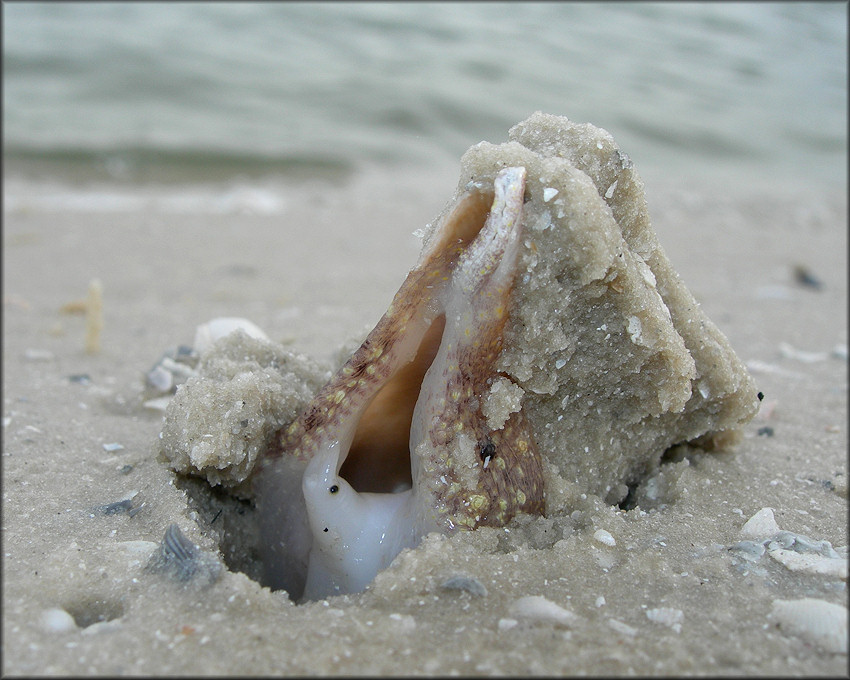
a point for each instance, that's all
(816, 621)
(760, 525)
(539, 608)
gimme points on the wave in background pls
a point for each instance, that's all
(196, 91)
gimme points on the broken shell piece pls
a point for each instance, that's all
(465, 583)
(175, 367)
(788, 540)
(178, 364)
(751, 551)
(815, 621)
(206, 334)
(538, 608)
(796, 552)
(761, 525)
(183, 561)
(604, 537)
(811, 563)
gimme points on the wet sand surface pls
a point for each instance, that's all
(651, 590)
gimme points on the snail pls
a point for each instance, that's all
(398, 443)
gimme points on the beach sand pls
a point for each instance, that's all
(659, 593)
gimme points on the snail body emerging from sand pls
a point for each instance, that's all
(397, 444)
(606, 357)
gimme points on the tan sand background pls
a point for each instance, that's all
(317, 272)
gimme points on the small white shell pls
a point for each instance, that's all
(536, 607)
(207, 333)
(816, 621)
(604, 537)
(57, 621)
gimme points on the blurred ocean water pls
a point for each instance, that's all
(186, 91)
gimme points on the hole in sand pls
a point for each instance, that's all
(230, 521)
(90, 610)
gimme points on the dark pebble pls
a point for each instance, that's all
(805, 278)
(186, 355)
(825, 483)
(765, 431)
